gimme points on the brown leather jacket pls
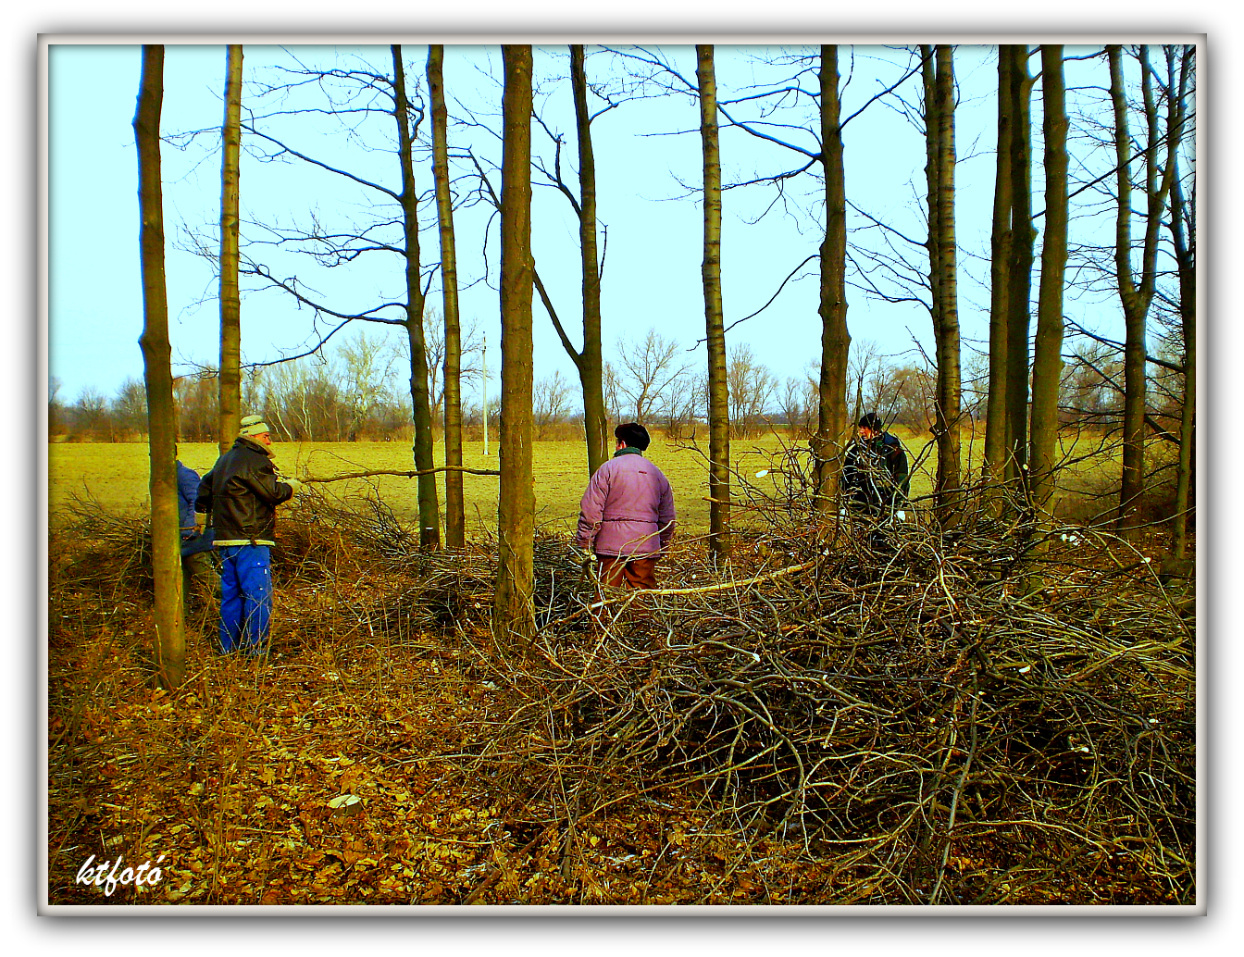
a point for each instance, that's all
(240, 495)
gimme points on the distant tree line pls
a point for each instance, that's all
(356, 391)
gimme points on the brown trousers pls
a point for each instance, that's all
(629, 572)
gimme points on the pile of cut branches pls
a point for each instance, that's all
(891, 712)
(894, 698)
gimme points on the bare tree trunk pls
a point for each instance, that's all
(829, 443)
(940, 136)
(455, 507)
(1047, 362)
(1135, 296)
(1185, 260)
(1019, 269)
(158, 377)
(1133, 318)
(590, 362)
(429, 509)
(714, 323)
(513, 620)
(230, 395)
(1187, 420)
(997, 442)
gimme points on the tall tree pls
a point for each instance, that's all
(939, 99)
(513, 619)
(429, 509)
(829, 443)
(1047, 362)
(714, 322)
(365, 88)
(589, 362)
(1019, 265)
(455, 508)
(1136, 292)
(997, 444)
(158, 376)
(1183, 231)
(229, 406)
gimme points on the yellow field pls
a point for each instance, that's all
(116, 474)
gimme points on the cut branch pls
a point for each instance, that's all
(414, 473)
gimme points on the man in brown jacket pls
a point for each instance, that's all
(240, 495)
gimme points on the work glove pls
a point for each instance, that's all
(901, 516)
(294, 484)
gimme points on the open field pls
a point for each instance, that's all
(116, 474)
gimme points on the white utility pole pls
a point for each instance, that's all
(485, 365)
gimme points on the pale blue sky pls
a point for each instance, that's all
(652, 274)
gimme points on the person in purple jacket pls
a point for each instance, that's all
(626, 518)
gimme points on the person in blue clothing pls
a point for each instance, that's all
(198, 572)
(874, 471)
(240, 494)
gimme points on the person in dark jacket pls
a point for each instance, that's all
(874, 471)
(240, 494)
(198, 573)
(626, 517)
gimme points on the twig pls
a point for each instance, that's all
(410, 474)
(722, 586)
(497, 870)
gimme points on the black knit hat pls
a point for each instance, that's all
(633, 434)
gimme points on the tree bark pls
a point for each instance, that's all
(230, 396)
(1135, 296)
(590, 363)
(1047, 362)
(997, 442)
(939, 81)
(429, 509)
(1185, 264)
(158, 377)
(1019, 270)
(714, 323)
(513, 619)
(1133, 319)
(829, 443)
(455, 507)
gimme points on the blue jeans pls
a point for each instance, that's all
(245, 598)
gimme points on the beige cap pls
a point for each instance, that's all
(253, 425)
